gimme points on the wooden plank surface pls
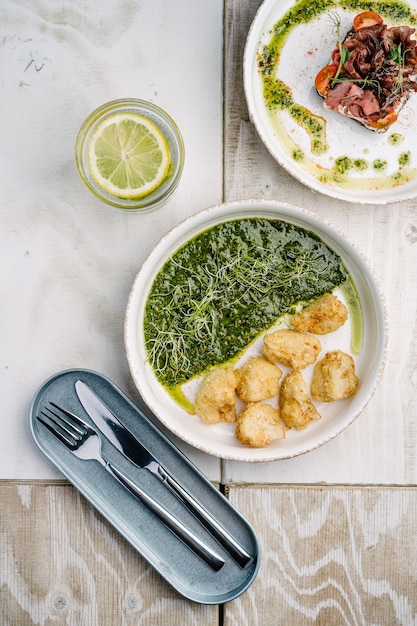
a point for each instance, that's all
(62, 563)
(331, 556)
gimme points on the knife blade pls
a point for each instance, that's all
(140, 456)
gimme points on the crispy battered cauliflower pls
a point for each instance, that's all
(259, 424)
(334, 377)
(297, 409)
(291, 348)
(216, 397)
(257, 379)
(324, 315)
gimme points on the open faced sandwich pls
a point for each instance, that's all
(372, 72)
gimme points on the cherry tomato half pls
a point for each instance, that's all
(383, 122)
(366, 19)
(324, 77)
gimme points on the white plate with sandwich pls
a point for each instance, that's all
(332, 149)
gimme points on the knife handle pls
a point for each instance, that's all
(223, 537)
(182, 532)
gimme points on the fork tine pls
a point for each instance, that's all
(72, 430)
(75, 419)
(56, 429)
(69, 428)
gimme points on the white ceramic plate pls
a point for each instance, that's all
(306, 50)
(220, 440)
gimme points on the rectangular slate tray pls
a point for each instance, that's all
(174, 561)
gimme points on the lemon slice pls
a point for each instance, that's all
(128, 155)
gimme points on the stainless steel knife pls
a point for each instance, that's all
(140, 456)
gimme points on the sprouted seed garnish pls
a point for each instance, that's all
(219, 291)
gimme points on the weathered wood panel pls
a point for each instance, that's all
(62, 563)
(331, 556)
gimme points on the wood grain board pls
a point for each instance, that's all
(330, 556)
(62, 563)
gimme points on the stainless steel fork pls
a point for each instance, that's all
(85, 443)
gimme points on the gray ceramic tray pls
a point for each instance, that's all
(174, 561)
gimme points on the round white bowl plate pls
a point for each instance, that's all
(220, 439)
(306, 51)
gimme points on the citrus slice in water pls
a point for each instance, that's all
(128, 155)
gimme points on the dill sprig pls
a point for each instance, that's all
(343, 51)
(372, 83)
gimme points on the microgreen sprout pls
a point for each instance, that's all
(216, 294)
(397, 55)
(371, 83)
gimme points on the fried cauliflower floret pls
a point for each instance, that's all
(334, 377)
(324, 315)
(257, 379)
(297, 409)
(291, 348)
(259, 424)
(216, 397)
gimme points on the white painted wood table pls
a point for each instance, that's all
(337, 526)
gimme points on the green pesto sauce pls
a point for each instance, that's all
(298, 154)
(379, 165)
(278, 96)
(404, 159)
(360, 165)
(395, 138)
(313, 124)
(381, 181)
(225, 287)
(343, 164)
